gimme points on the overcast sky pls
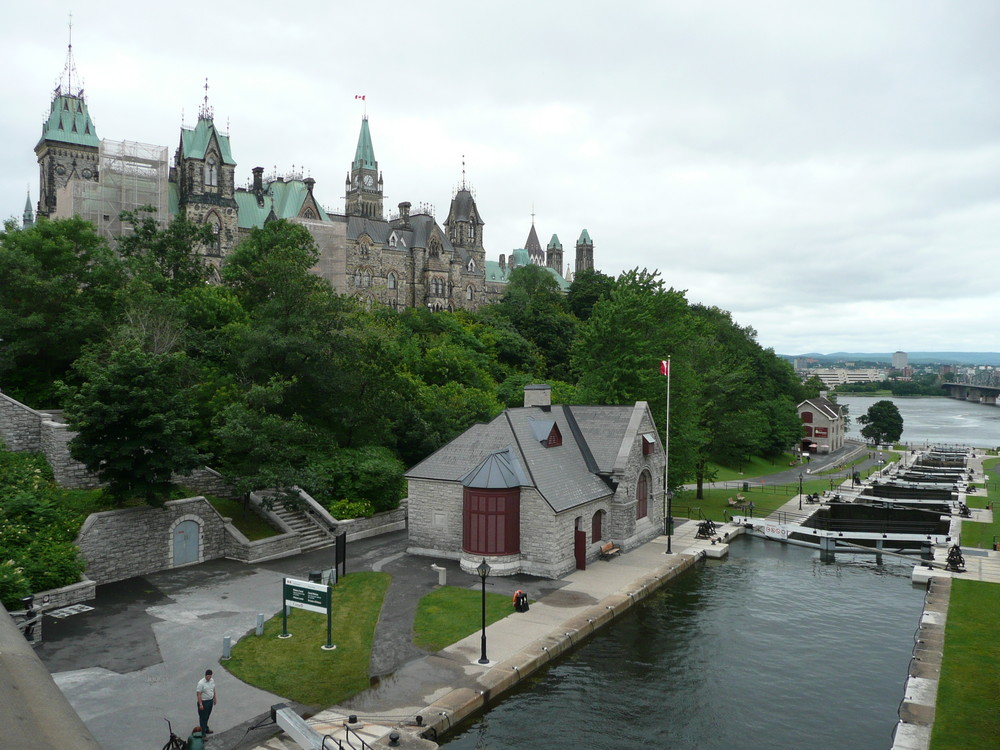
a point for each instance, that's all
(828, 171)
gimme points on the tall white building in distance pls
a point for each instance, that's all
(900, 360)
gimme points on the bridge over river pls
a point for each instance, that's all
(983, 394)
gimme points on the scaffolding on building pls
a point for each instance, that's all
(131, 175)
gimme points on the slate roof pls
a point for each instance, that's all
(69, 122)
(532, 243)
(824, 406)
(364, 156)
(566, 475)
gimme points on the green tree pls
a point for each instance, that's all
(167, 258)
(58, 284)
(882, 423)
(588, 288)
(133, 414)
(372, 475)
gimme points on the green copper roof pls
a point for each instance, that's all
(364, 157)
(585, 238)
(554, 242)
(284, 199)
(194, 143)
(69, 122)
(498, 275)
(520, 257)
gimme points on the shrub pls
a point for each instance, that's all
(13, 585)
(371, 474)
(344, 509)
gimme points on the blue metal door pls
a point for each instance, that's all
(186, 542)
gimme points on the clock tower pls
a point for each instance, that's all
(364, 183)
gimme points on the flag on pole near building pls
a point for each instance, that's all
(360, 96)
(665, 367)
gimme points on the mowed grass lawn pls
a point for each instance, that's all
(448, 614)
(297, 667)
(966, 715)
(981, 535)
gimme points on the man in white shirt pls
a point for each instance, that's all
(208, 697)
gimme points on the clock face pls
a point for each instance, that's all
(369, 180)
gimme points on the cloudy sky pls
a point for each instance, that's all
(828, 171)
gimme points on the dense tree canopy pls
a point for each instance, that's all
(286, 383)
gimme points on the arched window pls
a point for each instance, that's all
(390, 280)
(357, 277)
(308, 214)
(642, 495)
(211, 172)
(366, 278)
(468, 292)
(596, 526)
(215, 247)
(434, 248)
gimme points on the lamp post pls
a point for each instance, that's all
(800, 490)
(484, 570)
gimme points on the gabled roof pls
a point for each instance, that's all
(195, 142)
(580, 470)
(364, 156)
(69, 122)
(824, 406)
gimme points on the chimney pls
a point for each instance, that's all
(309, 183)
(404, 213)
(538, 395)
(822, 394)
(258, 179)
(503, 262)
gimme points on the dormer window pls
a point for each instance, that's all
(471, 267)
(392, 240)
(555, 437)
(648, 444)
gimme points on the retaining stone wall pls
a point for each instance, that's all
(380, 523)
(68, 472)
(120, 544)
(19, 425)
(83, 591)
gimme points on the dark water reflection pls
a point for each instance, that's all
(769, 649)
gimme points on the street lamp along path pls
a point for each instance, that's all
(483, 569)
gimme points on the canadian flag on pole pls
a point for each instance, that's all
(665, 367)
(359, 96)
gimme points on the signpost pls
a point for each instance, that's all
(314, 597)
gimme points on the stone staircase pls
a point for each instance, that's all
(311, 534)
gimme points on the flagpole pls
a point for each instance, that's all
(668, 510)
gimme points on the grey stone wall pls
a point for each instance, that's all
(83, 591)
(280, 545)
(120, 544)
(20, 426)
(205, 481)
(380, 523)
(67, 472)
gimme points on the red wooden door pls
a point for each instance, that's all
(580, 548)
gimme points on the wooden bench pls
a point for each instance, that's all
(609, 550)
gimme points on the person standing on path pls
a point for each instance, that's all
(207, 698)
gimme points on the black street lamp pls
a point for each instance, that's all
(800, 490)
(484, 570)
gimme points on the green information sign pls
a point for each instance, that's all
(307, 595)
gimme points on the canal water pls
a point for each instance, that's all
(771, 648)
(946, 421)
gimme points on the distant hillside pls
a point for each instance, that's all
(915, 358)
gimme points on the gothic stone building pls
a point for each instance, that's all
(406, 260)
(541, 488)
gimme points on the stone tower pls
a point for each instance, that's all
(205, 173)
(584, 252)
(554, 254)
(69, 147)
(364, 183)
(27, 218)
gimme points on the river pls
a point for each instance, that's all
(943, 421)
(771, 648)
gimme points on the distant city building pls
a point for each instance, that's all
(900, 360)
(831, 378)
(403, 260)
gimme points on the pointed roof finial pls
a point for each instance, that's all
(205, 112)
(532, 213)
(463, 171)
(69, 69)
